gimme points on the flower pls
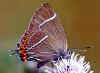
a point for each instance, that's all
(74, 64)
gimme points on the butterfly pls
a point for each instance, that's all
(44, 38)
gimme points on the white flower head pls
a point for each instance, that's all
(74, 64)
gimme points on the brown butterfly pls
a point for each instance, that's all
(44, 38)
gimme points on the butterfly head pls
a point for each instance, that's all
(62, 54)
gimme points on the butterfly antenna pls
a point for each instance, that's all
(84, 49)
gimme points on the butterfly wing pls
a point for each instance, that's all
(45, 35)
(52, 27)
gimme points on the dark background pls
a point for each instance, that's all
(80, 18)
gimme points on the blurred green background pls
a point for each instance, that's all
(80, 18)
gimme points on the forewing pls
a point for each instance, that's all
(52, 26)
